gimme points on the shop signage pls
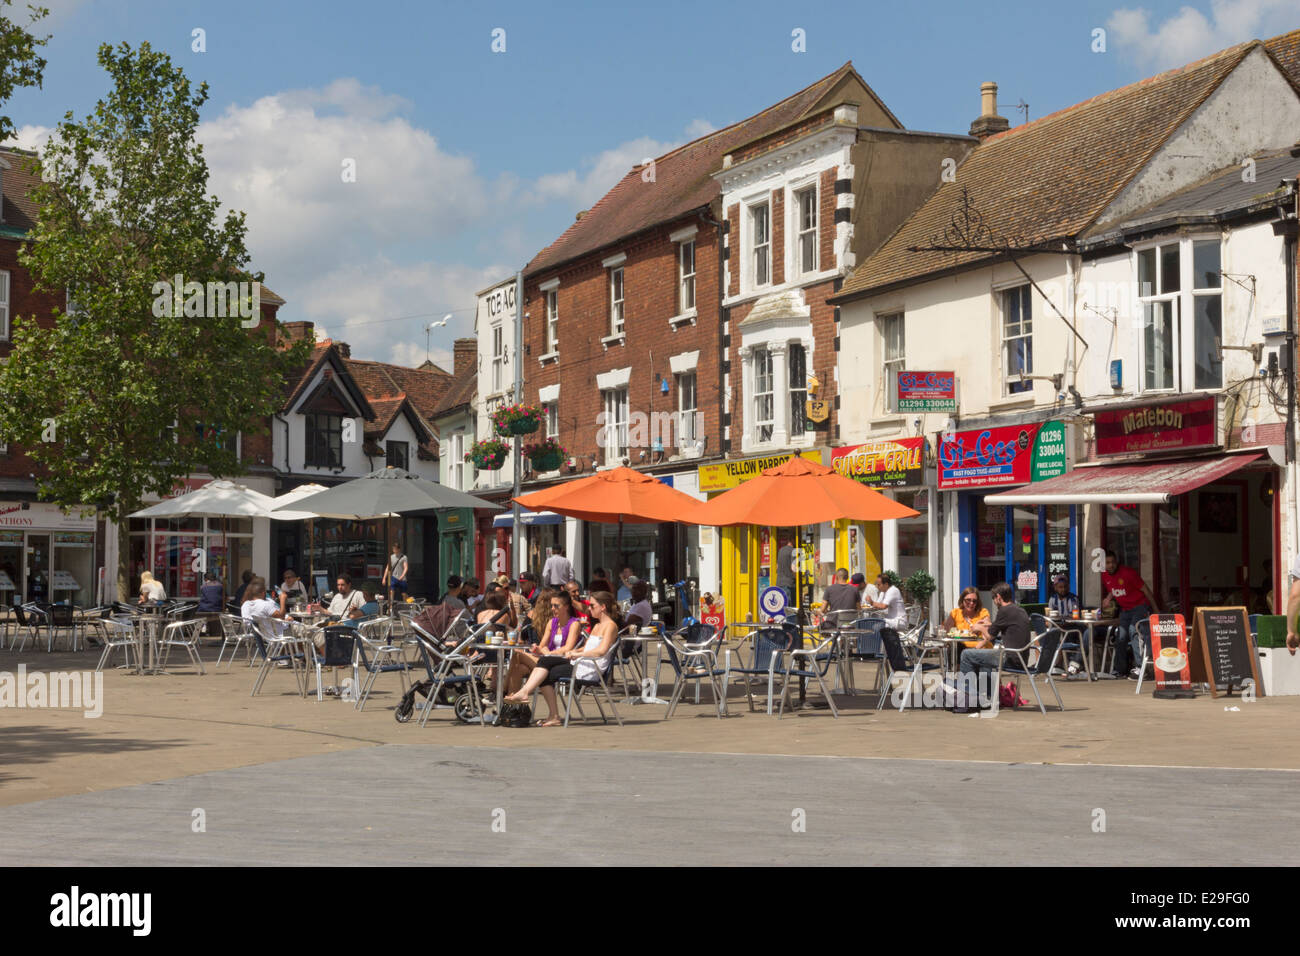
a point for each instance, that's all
(44, 517)
(772, 601)
(1058, 551)
(730, 474)
(927, 391)
(1050, 459)
(1173, 664)
(897, 463)
(1169, 425)
(817, 410)
(1227, 655)
(987, 457)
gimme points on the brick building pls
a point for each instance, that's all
(681, 322)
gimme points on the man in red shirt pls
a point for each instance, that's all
(1131, 595)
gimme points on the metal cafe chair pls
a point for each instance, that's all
(119, 634)
(594, 686)
(275, 649)
(1016, 661)
(810, 664)
(30, 619)
(184, 634)
(1144, 631)
(374, 637)
(693, 662)
(768, 647)
(234, 632)
(1072, 643)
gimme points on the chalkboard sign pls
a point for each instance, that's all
(1226, 649)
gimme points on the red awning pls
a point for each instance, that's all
(1125, 484)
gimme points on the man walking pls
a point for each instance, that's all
(1131, 595)
(784, 576)
(558, 570)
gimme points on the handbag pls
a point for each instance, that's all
(1009, 696)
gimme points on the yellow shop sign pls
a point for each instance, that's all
(729, 474)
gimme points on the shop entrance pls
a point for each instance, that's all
(11, 567)
(38, 567)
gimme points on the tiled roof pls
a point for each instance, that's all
(682, 179)
(1286, 50)
(463, 389)
(19, 178)
(1048, 179)
(1220, 193)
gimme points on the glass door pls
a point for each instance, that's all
(38, 567)
(11, 567)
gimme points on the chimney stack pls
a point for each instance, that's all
(344, 349)
(466, 355)
(989, 122)
(297, 331)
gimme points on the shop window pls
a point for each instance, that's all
(990, 546)
(1168, 520)
(1122, 533)
(913, 534)
(1024, 571)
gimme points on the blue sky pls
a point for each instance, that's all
(469, 161)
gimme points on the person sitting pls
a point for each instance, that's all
(244, 579)
(593, 658)
(455, 596)
(1062, 600)
(890, 600)
(1011, 626)
(579, 602)
(151, 588)
(970, 610)
(495, 609)
(371, 607)
(640, 613)
(258, 605)
(625, 578)
(292, 591)
(212, 599)
(598, 582)
(347, 602)
(841, 596)
(559, 634)
(528, 587)
(472, 593)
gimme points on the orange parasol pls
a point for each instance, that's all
(620, 494)
(797, 493)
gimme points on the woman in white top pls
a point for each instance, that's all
(150, 588)
(580, 663)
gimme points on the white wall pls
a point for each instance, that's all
(495, 306)
(402, 430)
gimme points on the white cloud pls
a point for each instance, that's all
(1189, 34)
(32, 137)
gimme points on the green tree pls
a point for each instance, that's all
(133, 380)
(20, 64)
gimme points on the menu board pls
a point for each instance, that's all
(1173, 665)
(1226, 654)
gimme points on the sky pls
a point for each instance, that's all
(470, 160)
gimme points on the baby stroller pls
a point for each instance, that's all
(444, 636)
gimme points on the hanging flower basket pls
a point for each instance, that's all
(518, 419)
(545, 455)
(487, 455)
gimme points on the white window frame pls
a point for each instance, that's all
(688, 406)
(615, 401)
(760, 253)
(498, 358)
(1022, 329)
(798, 411)
(456, 473)
(763, 402)
(552, 410)
(685, 277)
(1198, 293)
(1152, 299)
(891, 362)
(552, 321)
(804, 230)
(617, 302)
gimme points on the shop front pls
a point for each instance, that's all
(896, 468)
(46, 554)
(746, 555)
(542, 532)
(999, 538)
(1200, 523)
(456, 552)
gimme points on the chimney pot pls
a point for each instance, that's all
(989, 122)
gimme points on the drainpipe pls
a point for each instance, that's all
(288, 470)
(724, 313)
(1288, 225)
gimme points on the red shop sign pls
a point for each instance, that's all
(987, 457)
(1169, 425)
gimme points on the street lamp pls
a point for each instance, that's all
(428, 331)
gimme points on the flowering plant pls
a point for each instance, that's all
(488, 454)
(518, 419)
(545, 455)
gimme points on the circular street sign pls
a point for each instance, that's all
(773, 601)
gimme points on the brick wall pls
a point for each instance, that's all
(650, 277)
(778, 236)
(733, 247)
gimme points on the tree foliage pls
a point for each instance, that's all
(134, 396)
(20, 63)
